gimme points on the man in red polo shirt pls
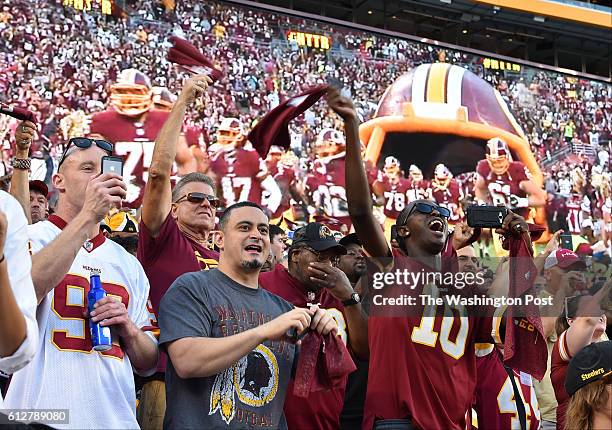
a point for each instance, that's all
(173, 232)
(312, 277)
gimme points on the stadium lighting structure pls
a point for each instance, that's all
(370, 12)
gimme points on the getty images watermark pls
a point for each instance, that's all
(469, 286)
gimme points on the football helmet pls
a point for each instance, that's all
(498, 156)
(442, 176)
(329, 142)
(230, 132)
(163, 99)
(131, 95)
(415, 173)
(392, 167)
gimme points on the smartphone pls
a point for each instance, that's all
(565, 241)
(393, 233)
(486, 216)
(112, 164)
(334, 82)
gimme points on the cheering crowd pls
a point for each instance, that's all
(238, 293)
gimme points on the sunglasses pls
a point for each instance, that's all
(84, 143)
(323, 257)
(199, 198)
(425, 208)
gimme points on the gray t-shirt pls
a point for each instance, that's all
(248, 395)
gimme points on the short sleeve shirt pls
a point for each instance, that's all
(248, 395)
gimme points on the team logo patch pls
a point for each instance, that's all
(253, 379)
(324, 232)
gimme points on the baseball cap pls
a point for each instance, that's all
(564, 258)
(318, 236)
(39, 186)
(590, 364)
(350, 239)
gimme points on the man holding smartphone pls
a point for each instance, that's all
(67, 248)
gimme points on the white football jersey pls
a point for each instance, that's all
(97, 388)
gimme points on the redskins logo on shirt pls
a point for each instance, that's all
(253, 379)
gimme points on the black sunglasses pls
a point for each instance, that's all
(84, 143)
(424, 208)
(334, 259)
(199, 198)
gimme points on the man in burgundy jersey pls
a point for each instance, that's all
(391, 188)
(313, 278)
(413, 356)
(496, 404)
(239, 171)
(132, 125)
(419, 187)
(502, 181)
(173, 231)
(447, 192)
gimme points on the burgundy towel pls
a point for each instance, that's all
(17, 112)
(191, 59)
(273, 128)
(524, 331)
(324, 363)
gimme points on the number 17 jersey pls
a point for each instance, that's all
(66, 373)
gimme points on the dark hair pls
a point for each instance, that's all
(188, 178)
(570, 310)
(225, 216)
(275, 231)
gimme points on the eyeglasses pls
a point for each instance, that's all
(424, 208)
(199, 198)
(321, 257)
(84, 143)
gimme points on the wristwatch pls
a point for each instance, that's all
(355, 299)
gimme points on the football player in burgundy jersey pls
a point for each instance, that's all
(239, 171)
(391, 188)
(132, 124)
(502, 181)
(324, 187)
(413, 358)
(447, 192)
(282, 167)
(419, 187)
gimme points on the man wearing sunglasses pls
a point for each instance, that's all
(313, 277)
(174, 230)
(67, 248)
(412, 359)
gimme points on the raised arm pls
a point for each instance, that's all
(358, 195)
(20, 188)
(157, 199)
(536, 195)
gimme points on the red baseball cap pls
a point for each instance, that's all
(39, 186)
(564, 258)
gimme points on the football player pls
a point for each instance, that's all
(324, 187)
(419, 188)
(242, 175)
(502, 181)
(447, 192)
(282, 167)
(391, 187)
(132, 124)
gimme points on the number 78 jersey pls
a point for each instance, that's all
(97, 388)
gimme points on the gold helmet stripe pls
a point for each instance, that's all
(436, 82)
